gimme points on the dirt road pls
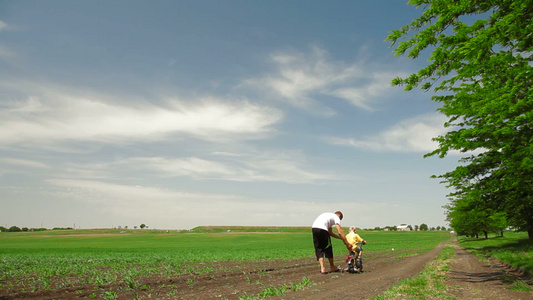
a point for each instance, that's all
(470, 278)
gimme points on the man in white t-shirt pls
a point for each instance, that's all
(322, 233)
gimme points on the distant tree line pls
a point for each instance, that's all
(18, 229)
(142, 226)
(24, 229)
(422, 227)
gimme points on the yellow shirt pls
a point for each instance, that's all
(353, 238)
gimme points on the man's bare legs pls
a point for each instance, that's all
(323, 267)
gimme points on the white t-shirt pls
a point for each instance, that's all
(326, 221)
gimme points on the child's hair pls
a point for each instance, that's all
(352, 228)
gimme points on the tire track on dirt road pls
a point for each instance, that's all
(471, 278)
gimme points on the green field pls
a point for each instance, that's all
(33, 259)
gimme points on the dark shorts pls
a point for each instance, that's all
(322, 242)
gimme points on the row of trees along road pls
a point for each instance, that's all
(480, 71)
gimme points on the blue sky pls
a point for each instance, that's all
(185, 113)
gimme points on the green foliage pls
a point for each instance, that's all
(481, 72)
(467, 217)
(110, 295)
(14, 229)
(272, 291)
(306, 282)
(519, 285)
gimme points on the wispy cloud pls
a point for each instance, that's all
(301, 78)
(24, 163)
(412, 135)
(245, 167)
(191, 167)
(60, 117)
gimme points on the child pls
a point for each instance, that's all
(356, 254)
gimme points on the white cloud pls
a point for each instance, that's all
(283, 170)
(24, 163)
(3, 25)
(191, 166)
(412, 135)
(244, 167)
(63, 117)
(299, 78)
(354, 96)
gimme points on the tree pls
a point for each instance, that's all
(423, 227)
(14, 229)
(481, 72)
(142, 226)
(392, 228)
(498, 222)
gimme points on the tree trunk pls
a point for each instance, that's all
(486, 234)
(530, 228)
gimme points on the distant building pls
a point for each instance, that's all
(403, 228)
